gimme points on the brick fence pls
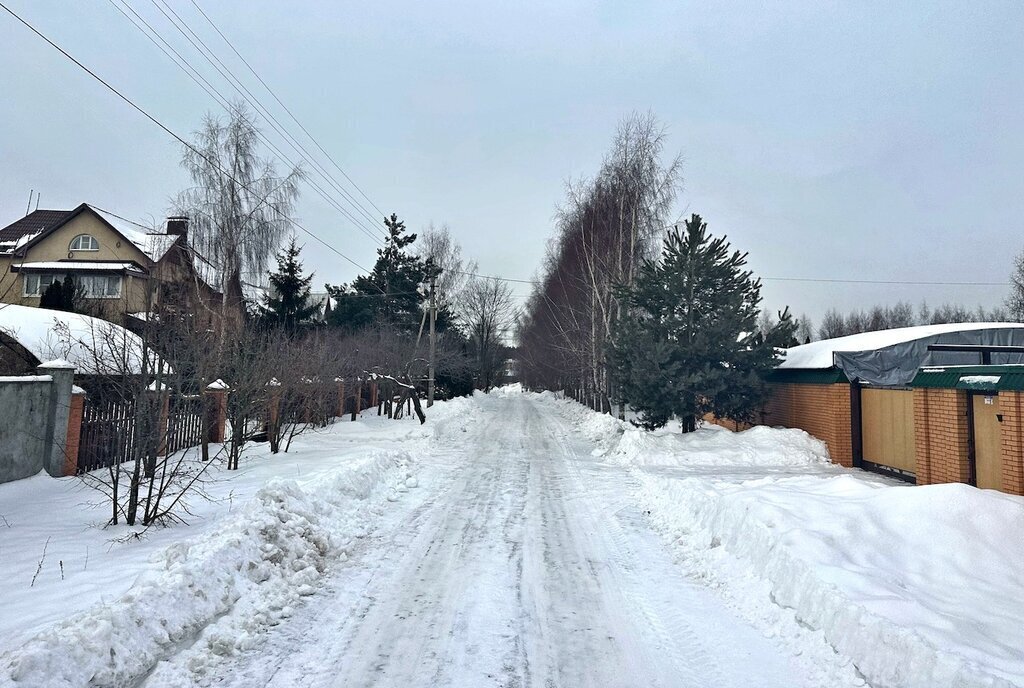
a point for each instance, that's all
(942, 433)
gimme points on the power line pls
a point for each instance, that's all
(285, 107)
(185, 66)
(181, 26)
(160, 124)
(497, 279)
(824, 280)
(893, 282)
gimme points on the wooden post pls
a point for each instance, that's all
(273, 408)
(358, 407)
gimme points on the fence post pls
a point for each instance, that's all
(163, 400)
(373, 393)
(359, 398)
(74, 431)
(341, 396)
(216, 397)
(273, 407)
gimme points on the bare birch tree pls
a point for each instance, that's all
(240, 207)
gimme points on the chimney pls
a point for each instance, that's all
(177, 226)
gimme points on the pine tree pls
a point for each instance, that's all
(687, 343)
(290, 306)
(390, 293)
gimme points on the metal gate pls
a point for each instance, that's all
(887, 430)
(987, 436)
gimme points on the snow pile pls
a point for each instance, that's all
(921, 586)
(251, 571)
(453, 420)
(711, 445)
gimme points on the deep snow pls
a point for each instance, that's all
(919, 586)
(521, 539)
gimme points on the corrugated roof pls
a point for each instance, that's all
(33, 223)
(975, 378)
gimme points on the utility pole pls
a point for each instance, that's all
(433, 337)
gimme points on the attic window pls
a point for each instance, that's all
(84, 242)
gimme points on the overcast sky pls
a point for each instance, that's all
(880, 141)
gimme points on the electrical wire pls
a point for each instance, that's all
(211, 57)
(162, 126)
(285, 107)
(185, 66)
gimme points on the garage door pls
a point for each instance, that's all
(988, 459)
(887, 428)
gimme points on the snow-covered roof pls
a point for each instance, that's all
(817, 355)
(153, 244)
(92, 345)
(81, 266)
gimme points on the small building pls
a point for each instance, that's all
(122, 269)
(929, 404)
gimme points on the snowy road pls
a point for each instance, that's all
(520, 561)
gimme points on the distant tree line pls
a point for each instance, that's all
(902, 314)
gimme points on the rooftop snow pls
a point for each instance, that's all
(821, 354)
(81, 266)
(153, 244)
(92, 345)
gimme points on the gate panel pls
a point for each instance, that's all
(988, 451)
(887, 428)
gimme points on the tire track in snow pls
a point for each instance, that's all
(694, 666)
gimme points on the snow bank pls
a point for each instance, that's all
(921, 586)
(714, 446)
(252, 570)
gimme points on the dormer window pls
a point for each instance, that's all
(85, 242)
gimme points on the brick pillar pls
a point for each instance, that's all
(1011, 406)
(941, 436)
(74, 431)
(840, 439)
(373, 393)
(922, 438)
(216, 403)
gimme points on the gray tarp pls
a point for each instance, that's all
(897, 365)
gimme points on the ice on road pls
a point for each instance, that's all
(521, 560)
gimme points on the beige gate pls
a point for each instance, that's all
(988, 436)
(887, 428)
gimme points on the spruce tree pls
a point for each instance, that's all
(687, 342)
(390, 293)
(290, 306)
